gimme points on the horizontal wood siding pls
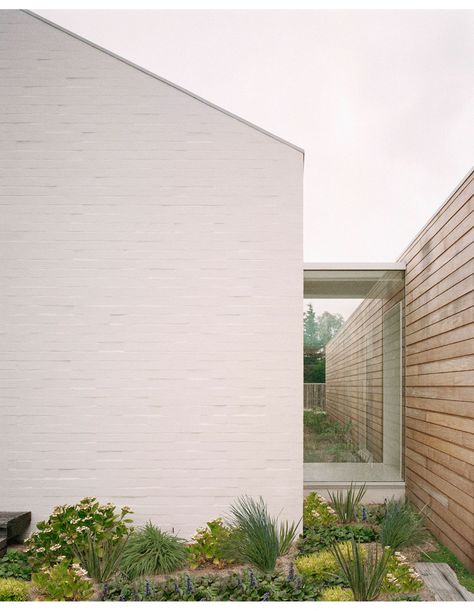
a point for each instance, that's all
(439, 305)
(354, 372)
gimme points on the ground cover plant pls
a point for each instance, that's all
(63, 582)
(15, 564)
(317, 511)
(401, 577)
(322, 537)
(247, 586)
(150, 551)
(13, 590)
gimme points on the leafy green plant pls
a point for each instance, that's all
(317, 511)
(14, 590)
(260, 539)
(401, 525)
(336, 594)
(322, 566)
(71, 526)
(15, 564)
(401, 577)
(346, 502)
(321, 537)
(443, 554)
(364, 572)
(246, 586)
(211, 545)
(101, 559)
(150, 551)
(63, 582)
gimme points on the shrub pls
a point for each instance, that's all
(401, 577)
(63, 582)
(247, 586)
(317, 512)
(71, 526)
(336, 594)
(322, 567)
(259, 539)
(401, 525)
(322, 537)
(318, 566)
(101, 559)
(346, 503)
(150, 551)
(211, 545)
(364, 572)
(13, 589)
(15, 564)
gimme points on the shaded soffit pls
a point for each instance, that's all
(352, 280)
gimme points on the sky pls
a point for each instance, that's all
(381, 101)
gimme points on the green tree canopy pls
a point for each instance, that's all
(318, 331)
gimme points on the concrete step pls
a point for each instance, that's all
(440, 578)
(13, 525)
(3, 545)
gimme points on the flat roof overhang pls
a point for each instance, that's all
(351, 280)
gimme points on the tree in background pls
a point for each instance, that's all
(318, 331)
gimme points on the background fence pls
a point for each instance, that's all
(315, 396)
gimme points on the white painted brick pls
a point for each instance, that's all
(151, 292)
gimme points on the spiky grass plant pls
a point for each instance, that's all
(260, 538)
(101, 559)
(150, 551)
(401, 525)
(346, 503)
(365, 573)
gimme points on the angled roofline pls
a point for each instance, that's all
(163, 80)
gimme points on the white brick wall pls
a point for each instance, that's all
(151, 291)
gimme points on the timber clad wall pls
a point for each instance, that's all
(439, 450)
(151, 246)
(354, 376)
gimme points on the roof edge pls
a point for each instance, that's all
(163, 80)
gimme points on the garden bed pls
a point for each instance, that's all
(59, 562)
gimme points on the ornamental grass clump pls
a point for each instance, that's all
(401, 525)
(259, 538)
(70, 527)
(150, 551)
(101, 559)
(364, 572)
(346, 503)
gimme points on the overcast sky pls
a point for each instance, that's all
(381, 101)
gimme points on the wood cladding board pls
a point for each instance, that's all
(354, 373)
(439, 382)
